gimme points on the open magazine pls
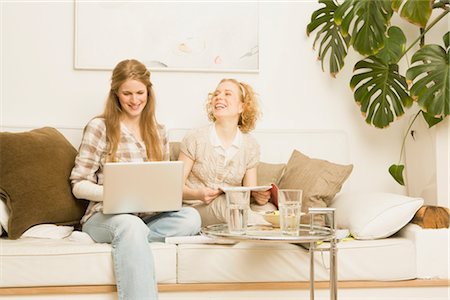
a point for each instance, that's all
(260, 188)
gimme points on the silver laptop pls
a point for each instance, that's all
(142, 187)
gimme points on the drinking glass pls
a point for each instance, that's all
(290, 206)
(238, 204)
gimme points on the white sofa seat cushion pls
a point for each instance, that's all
(241, 262)
(50, 262)
(384, 259)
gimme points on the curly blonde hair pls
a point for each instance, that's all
(251, 111)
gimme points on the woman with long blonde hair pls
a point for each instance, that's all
(127, 131)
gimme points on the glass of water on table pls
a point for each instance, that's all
(290, 206)
(238, 205)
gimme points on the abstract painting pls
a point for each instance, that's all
(170, 36)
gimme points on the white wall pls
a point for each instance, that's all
(443, 165)
(427, 172)
(40, 87)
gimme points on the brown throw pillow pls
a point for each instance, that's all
(269, 173)
(34, 174)
(319, 179)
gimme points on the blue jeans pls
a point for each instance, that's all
(129, 236)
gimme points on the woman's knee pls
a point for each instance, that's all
(213, 213)
(129, 227)
(262, 208)
(191, 220)
(108, 228)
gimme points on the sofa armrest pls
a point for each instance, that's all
(432, 248)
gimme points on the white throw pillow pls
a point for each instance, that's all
(4, 216)
(374, 215)
(48, 231)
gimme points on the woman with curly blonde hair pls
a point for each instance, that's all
(250, 109)
(223, 154)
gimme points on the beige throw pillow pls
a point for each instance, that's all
(319, 179)
(269, 173)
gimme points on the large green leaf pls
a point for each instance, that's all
(397, 172)
(380, 90)
(430, 119)
(394, 46)
(417, 12)
(330, 36)
(367, 20)
(430, 73)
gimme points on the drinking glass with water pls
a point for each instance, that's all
(290, 206)
(238, 204)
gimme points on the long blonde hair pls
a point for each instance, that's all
(131, 69)
(250, 113)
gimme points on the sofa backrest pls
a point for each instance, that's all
(73, 135)
(277, 145)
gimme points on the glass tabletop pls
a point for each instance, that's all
(307, 234)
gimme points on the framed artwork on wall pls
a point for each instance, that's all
(167, 36)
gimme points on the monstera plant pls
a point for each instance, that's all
(381, 88)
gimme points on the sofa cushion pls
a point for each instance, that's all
(75, 260)
(174, 148)
(271, 262)
(374, 215)
(269, 173)
(34, 179)
(4, 212)
(319, 179)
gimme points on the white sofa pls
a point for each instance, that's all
(412, 264)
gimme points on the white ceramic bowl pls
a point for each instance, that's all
(273, 217)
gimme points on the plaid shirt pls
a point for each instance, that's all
(94, 150)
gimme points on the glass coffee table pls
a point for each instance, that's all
(311, 234)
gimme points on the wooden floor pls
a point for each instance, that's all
(181, 287)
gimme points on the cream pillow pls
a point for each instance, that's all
(4, 214)
(374, 215)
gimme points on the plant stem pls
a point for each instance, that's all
(438, 18)
(441, 4)
(406, 135)
(422, 40)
